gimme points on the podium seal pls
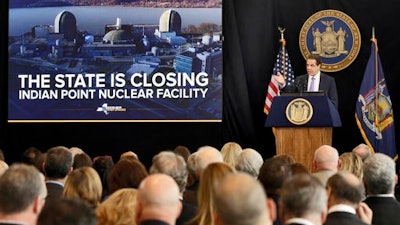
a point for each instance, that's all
(334, 36)
(299, 111)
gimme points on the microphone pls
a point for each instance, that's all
(301, 86)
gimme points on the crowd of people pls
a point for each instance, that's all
(210, 186)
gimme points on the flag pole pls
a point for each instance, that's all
(282, 40)
(373, 39)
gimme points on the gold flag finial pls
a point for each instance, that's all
(281, 30)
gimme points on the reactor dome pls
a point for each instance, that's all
(65, 23)
(117, 37)
(170, 21)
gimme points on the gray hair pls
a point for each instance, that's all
(379, 174)
(249, 161)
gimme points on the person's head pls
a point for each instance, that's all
(230, 151)
(326, 157)
(22, 193)
(206, 155)
(313, 64)
(240, 200)
(249, 161)
(76, 150)
(84, 183)
(344, 188)
(272, 174)
(303, 196)
(379, 174)
(174, 165)
(288, 157)
(350, 161)
(182, 151)
(158, 199)
(81, 160)
(118, 208)
(129, 154)
(126, 173)
(362, 150)
(3, 167)
(208, 184)
(103, 165)
(67, 211)
(296, 168)
(191, 167)
(58, 162)
(30, 154)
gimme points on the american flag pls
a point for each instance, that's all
(283, 66)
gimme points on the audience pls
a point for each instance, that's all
(287, 157)
(22, 195)
(326, 163)
(84, 183)
(158, 201)
(241, 200)
(103, 165)
(126, 173)
(118, 208)
(3, 167)
(249, 161)
(30, 155)
(81, 160)
(182, 151)
(67, 211)
(350, 161)
(208, 184)
(380, 179)
(169, 163)
(296, 168)
(230, 151)
(57, 165)
(190, 193)
(345, 195)
(303, 201)
(362, 150)
(272, 174)
(129, 154)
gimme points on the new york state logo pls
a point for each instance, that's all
(334, 36)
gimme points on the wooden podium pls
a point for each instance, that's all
(301, 122)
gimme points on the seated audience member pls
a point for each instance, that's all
(303, 201)
(296, 168)
(129, 154)
(158, 201)
(182, 151)
(30, 155)
(57, 165)
(240, 200)
(326, 163)
(75, 151)
(22, 194)
(126, 173)
(190, 195)
(103, 165)
(345, 195)
(379, 180)
(118, 208)
(249, 161)
(287, 157)
(350, 161)
(3, 167)
(84, 183)
(362, 150)
(272, 174)
(203, 156)
(67, 211)
(169, 163)
(230, 151)
(209, 180)
(81, 160)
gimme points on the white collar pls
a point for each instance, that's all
(341, 208)
(299, 221)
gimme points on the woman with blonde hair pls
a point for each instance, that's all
(118, 208)
(351, 162)
(230, 152)
(84, 183)
(209, 181)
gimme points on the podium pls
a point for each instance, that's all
(301, 122)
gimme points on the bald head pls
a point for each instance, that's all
(363, 151)
(240, 199)
(158, 198)
(326, 157)
(206, 155)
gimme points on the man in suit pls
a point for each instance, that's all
(57, 165)
(169, 163)
(158, 201)
(313, 81)
(380, 179)
(22, 195)
(303, 201)
(345, 193)
(325, 163)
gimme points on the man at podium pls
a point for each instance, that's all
(313, 81)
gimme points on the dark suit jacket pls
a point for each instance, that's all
(153, 222)
(386, 210)
(326, 83)
(54, 191)
(343, 218)
(188, 212)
